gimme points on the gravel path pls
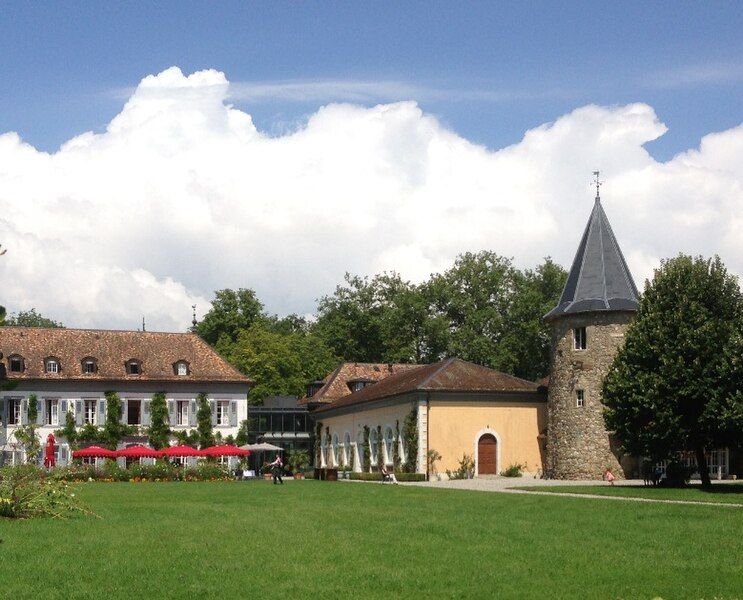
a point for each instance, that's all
(506, 485)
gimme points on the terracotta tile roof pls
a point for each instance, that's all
(450, 375)
(336, 383)
(157, 353)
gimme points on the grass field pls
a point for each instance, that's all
(731, 493)
(335, 540)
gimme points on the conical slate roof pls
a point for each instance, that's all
(599, 279)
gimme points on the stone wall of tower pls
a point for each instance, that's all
(578, 445)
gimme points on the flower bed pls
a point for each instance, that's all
(160, 471)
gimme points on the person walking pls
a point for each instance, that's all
(277, 466)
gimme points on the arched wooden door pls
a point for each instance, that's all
(487, 453)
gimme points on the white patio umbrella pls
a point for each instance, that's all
(262, 447)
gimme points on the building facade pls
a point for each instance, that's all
(456, 408)
(70, 371)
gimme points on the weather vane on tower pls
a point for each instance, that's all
(597, 183)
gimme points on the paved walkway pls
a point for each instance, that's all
(506, 485)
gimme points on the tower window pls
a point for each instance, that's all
(580, 398)
(579, 338)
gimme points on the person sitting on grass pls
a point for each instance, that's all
(388, 476)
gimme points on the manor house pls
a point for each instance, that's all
(69, 371)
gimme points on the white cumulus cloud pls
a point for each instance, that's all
(182, 195)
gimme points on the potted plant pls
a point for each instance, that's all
(298, 460)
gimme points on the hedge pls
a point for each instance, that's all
(157, 472)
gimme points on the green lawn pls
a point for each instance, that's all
(728, 492)
(336, 540)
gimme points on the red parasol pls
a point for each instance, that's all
(180, 451)
(139, 451)
(94, 452)
(49, 451)
(225, 450)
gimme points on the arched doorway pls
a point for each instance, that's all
(487, 453)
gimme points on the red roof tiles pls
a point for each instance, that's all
(156, 352)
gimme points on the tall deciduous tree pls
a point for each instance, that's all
(676, 383)
(231, 312)
(281, 364)
(30, 318)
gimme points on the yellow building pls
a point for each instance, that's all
(453, 407)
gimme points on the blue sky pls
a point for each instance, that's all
(487, 71)
(177, 194)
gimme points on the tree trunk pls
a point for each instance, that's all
(702, 466)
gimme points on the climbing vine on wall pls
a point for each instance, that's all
(396, 447)
(380, 448)
(410, 438)
(367, 454)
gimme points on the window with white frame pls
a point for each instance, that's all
(223, 412)
(52, 414)
(89, 366)
(373, 446)
(181, 368)
(580, 398)
(14, 411)
(51, 365)
(389, 440)
(182, 412)
(579, 338)
(336, 457)
(90, 406)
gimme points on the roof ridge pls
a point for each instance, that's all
(93, 330)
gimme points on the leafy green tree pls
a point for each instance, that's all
(159, 429)
(280, 364)
(204, 422)
(30, 318)
(231, 312)
(676, 383)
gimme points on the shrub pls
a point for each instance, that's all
(160, 471)
(466, 469)
(677, 474)
(27, 491)
(514, 470)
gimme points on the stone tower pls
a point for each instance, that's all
(588, 325)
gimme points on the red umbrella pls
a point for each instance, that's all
(225, 450)
(139, 451)
(49, 451)
(180, 451)
(94, 452)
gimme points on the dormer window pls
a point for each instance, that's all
(133, 367)
(314, 387)
(356, 385)
(89, 366)
(181, 368)
(15, 363)
(51, 365)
